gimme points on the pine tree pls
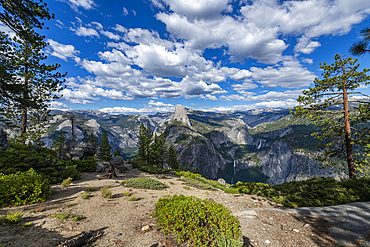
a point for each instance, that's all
(86, 137)
(117, 153)
(59, 140)
(145, 140)
(25, 83)
(37, 81)
(158, 151)
(363, 46)
(105, 148)
(172, 159)
(337, 126)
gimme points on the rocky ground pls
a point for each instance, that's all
(122, 222)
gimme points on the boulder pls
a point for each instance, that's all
(221, 181)
(75, 150)
(4, 145)
(103, 166)
(118, 163)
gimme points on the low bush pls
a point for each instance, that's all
(21, 158)
(200, 222)
(133, 198)
(126, 193)
(63, 216)
(105, 192)
(144, 183)
(67, 182)
(87, 165)
(12, 218)
(314, 192)
(23, 188)
(198, 181)
(85, 195)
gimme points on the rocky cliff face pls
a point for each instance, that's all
(218, 145)
(181, 115)
(282, 165)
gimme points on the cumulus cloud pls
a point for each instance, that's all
(201, 9)
(250, 36)
(63, 51)
(58, 106)
(290, 74)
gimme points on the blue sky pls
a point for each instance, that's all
(147, 56)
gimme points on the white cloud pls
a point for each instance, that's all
(250, 36)
(134, 12)
(211, 97)
(83, 31)
(63, 51)
(161, 104)
(125, 11)
(291, 75)
(120, 28)
(244, 86)
(200, 9)
(289, 103)
(111, 35)
(58, 106)
(233, 97)
(86, 4)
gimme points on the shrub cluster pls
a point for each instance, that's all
(144, 183)
(20, 158)
(23, 188)
(12, 218)
(201, 222)
(314, 192)
(198, 181)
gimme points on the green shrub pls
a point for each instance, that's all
(85, 195)
(87, 165)
(12, 218)
(21, 158)
(314, 192)
(90, 189)
(133, 198)
(23, 188)
(63, 216)
(67, 182)
(126, 193)
(144, 183)
(105, 192)
(201, 222)
(199, 181)
(232, 190)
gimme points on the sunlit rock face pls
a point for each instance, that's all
(181, 115)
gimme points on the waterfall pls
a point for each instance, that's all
(232, 178)
(259, 146)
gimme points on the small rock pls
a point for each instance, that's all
(306, 225)
(295, 230)
(271, 218)
(267, 242)
(221, 181)
(119, 234)
(145, 228)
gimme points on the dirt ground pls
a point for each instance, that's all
(121, 221)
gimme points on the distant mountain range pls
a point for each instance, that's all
(250, 146)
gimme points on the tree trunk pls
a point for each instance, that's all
(347, 130)
(25, 96)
